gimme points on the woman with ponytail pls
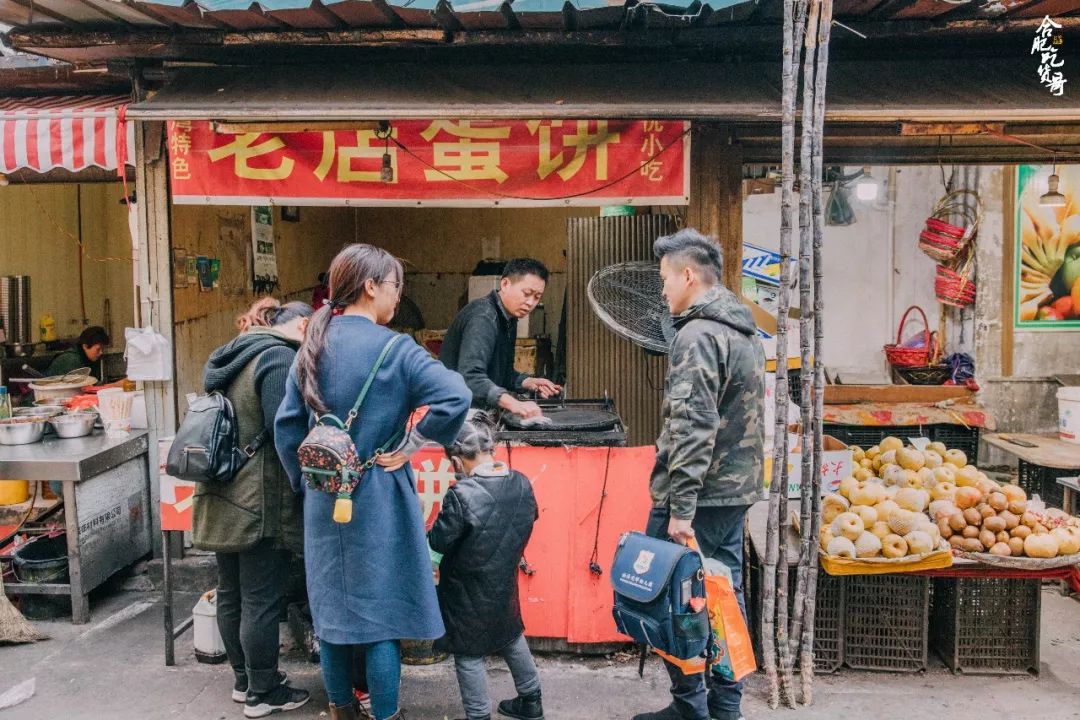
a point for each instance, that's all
(369, 579)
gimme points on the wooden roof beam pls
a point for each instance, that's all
(719, 36)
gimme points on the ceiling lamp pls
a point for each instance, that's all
(1052, 197)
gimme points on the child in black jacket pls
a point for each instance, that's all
(482, 530)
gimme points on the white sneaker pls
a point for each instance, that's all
(239, 694)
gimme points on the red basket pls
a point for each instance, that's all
(940, 246)
(916, 356)
(942, 240)
(953, 288)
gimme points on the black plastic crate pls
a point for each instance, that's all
(987, 626)
(794, 384)
(1042, 481)
(829, 624)
(954, 436)
(886, 622)
(828, 619)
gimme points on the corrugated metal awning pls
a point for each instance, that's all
(271, 15)
(72, 133)
(473, 15)
(240, 31)
(868, 91)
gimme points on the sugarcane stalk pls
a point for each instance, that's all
(806, 317)
(778, 481)
(810, 603)
(787, 685)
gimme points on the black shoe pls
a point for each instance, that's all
(281, 699)
(523, 707)
(240, 687)
(668, 713)
(725, 715)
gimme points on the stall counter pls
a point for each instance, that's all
(587, 498)
(107, 510)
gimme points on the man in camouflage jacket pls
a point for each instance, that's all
(709, 456)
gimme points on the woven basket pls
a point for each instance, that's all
(953, 288)
(911, 357)
(1021, 563)
(926, 375)
(942, 240)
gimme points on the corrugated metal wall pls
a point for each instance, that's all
(597, 359)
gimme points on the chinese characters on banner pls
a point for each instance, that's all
(437, 162)
(1046, 46)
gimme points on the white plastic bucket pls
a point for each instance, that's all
(1069, 414)
(208, 642)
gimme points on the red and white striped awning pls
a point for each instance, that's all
(72, 132)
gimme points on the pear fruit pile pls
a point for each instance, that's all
(902, 501)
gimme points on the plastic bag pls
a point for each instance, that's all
(148, 355)
(732, 653)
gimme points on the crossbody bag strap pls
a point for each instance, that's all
(382, 450)
(367, 383)
(256, 442)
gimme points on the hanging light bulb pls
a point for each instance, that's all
(866, 189)
(1052, 197)
(386, 173)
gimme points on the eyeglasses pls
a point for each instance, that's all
(396, 283)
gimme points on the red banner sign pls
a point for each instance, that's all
(437, 163)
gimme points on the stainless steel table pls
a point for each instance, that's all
(107, 512)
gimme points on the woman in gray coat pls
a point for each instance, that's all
(253, 521)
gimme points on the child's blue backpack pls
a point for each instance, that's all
(660, 595)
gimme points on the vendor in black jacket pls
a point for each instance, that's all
(480, 341)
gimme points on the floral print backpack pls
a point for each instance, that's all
(328, 459)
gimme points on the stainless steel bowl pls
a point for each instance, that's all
(21, 431)
(42, 411)
(74, 425)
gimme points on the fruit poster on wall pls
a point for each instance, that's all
(1047, 247)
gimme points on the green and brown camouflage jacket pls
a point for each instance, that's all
(709, 452)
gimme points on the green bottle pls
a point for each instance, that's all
(5, 403)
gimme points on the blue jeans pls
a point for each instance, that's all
(719, 534)
(383, 675)
(472, 677)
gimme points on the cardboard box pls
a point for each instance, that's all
(836, 464)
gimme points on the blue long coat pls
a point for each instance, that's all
(370, 580)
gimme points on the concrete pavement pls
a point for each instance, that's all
(113, 669)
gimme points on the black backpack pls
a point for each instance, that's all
(206, 448)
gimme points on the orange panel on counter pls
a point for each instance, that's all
(562, 598)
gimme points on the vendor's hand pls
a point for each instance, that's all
(680, 531)
(392, 462)
(525, 409)
(545, 387)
